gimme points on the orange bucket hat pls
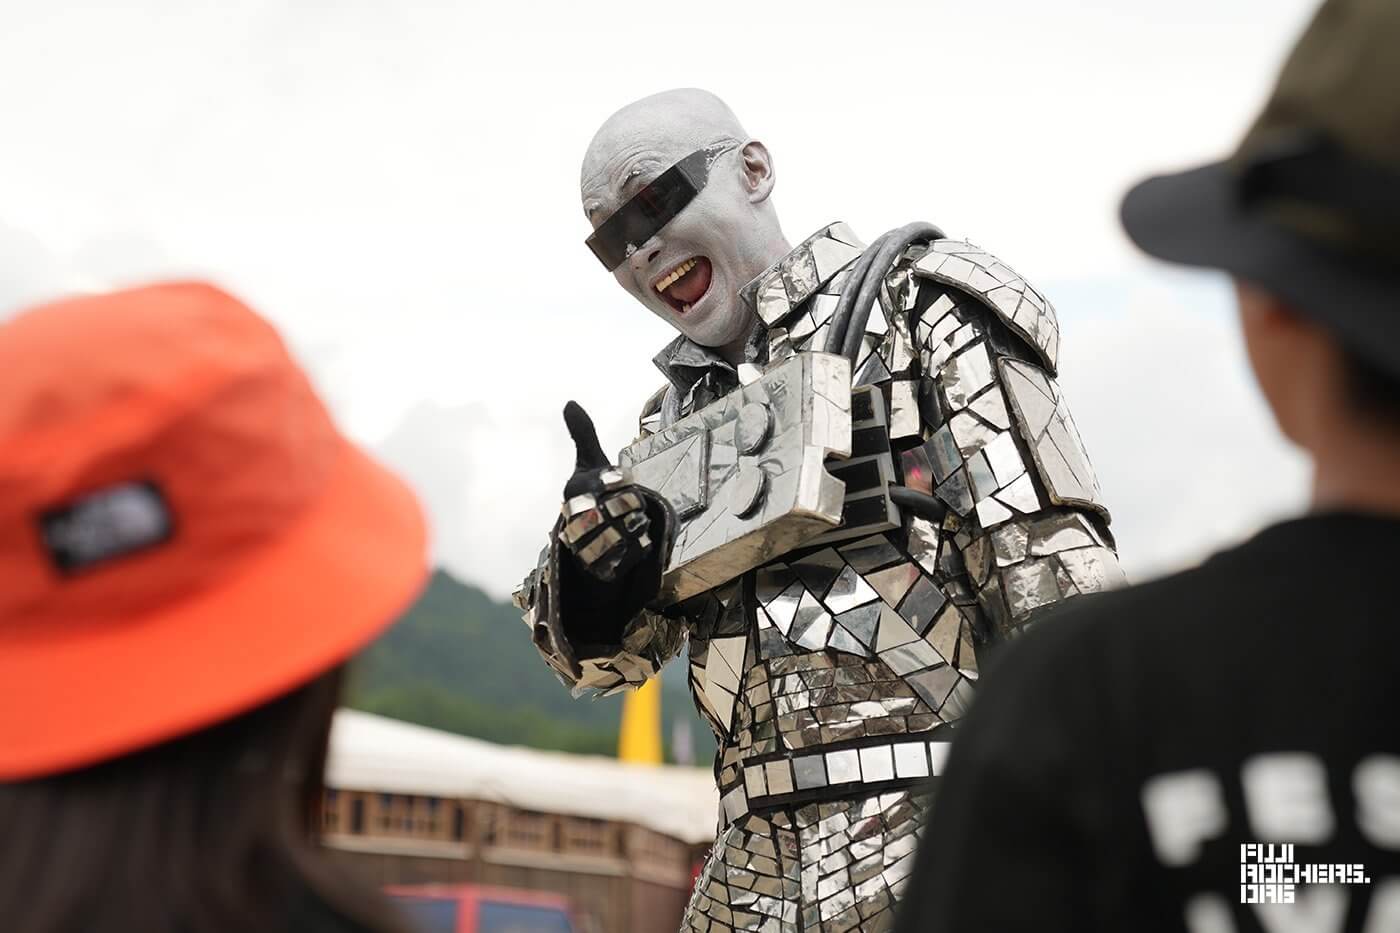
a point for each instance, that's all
(184, 535)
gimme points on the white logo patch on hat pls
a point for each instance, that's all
(113, 522)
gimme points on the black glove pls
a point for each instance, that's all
(606, 522)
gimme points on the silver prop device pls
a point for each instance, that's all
(747, 474)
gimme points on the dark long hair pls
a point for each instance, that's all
(211, 833)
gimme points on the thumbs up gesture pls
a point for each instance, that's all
(606, 526)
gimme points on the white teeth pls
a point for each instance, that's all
(675, 275)
(685, 309)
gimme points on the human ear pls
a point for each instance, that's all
(758, 174)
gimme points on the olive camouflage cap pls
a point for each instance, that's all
(1309, 205)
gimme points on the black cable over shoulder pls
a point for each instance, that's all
(852, 313)
(841, 316)
(863, 287)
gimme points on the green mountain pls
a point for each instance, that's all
(461, 662)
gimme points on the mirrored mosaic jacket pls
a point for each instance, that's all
(833, 671)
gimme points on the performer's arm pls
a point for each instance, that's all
(1002, 453)
(586, 602)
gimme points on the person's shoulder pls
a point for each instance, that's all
(1042, 693)
(1125, 626)
(1124, 612)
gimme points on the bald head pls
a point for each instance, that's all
(690, 269)
(659, 129)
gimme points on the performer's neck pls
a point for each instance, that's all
(775, 248)
(733, 353)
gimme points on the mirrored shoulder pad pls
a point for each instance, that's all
(980, 274)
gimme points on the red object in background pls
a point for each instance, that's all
(472, 908)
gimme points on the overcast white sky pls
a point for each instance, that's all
(394, 183)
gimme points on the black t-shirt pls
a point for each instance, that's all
(1121, 754)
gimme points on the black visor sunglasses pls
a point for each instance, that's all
(652, 208)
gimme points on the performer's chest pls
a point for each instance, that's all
(834, 644)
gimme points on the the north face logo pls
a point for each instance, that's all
(104, 525)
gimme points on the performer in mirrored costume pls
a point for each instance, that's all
(859, 474)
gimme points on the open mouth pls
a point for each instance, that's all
(684, 286)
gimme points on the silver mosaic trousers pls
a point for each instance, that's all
(834, 867)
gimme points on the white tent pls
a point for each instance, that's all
(374, 753)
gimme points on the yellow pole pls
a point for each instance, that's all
(639, 739)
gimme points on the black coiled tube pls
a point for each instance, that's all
(858, 297)
(924, 506)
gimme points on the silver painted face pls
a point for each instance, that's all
(689, 274)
